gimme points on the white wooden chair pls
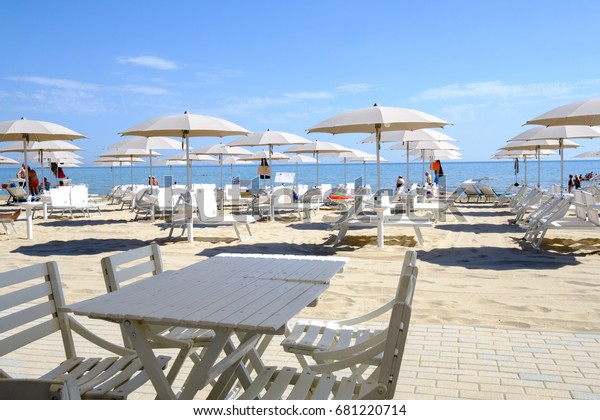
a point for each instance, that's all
(8, 220)
(30, 299)
(128, 266)
(313, 341)
(38, 389)
(316, 382)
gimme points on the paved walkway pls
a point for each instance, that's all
(440, 362)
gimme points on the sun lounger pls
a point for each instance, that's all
(16, 194)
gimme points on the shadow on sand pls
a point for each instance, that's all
(496, 258)
(83, 222)
(80, 247)
(271, 248)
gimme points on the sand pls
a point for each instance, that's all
(474, 270)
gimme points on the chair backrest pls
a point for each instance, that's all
(580, 206)
(18, 193)
(78, 195)
(60, 196)
(131, 265)
(395, 341)
(207, 204)
(592, 213)
(29, 302)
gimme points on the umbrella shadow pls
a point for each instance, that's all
(480, 228)
(496, 258)
(83, 222)
(80, 247)
(271, 248)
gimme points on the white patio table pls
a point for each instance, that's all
(241, 295)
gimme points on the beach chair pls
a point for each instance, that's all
(472, 192)
(586, 217)
(208, 214)
(128, 266)
(38, 389)
(311, 341)
(282, 201)
(317, 383)
(488, 193)
(30, 299)
(8, 220)
(16, 194)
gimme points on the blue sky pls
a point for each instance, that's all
(487, 67)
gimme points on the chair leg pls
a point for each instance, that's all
(419, 235)
(14, 227)
(341, 234)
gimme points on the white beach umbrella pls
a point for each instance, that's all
(422, 146)
(119, 161)
(586, 112)
(521, 154)
(148, 143)
(180, 159)
(364, 159)
(300, 159)
(266, 155)
(377, 119)
(7, 161)
(131, 154)
(315, 148)
(234, 160)
(269, 138)
(39, 149)
(356, 154)
(185, 126)
(31, 130)
(221, 150)
(560, 133)
(588, 155)
(407, 137)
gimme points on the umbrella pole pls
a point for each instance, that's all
(296, 178)
(345, 180)
(318, 169)
(25, 144)
(151, 183)
(131, 161)
(42, 171)
(423, 166)
(537, 152)
(377, 145)
(121, 173)
(112, 171)
(364, 173)
(525, 169)
(407, 169)
(562, 157)
(190, 223)
(271, 165)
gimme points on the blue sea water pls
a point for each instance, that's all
(101, 179)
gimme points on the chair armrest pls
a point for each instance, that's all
(99, 341)
(368, 316)
(350, 361)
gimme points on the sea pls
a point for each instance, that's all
(500, 174)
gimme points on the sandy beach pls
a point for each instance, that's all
(474, 271)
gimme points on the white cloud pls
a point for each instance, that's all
(146, 90)
(56, 83)
(498, 89)
(308, 95)
(148, 61)
(354, 87)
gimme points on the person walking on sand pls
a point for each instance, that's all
(571, 183)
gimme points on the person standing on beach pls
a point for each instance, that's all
(21, 173)
(427, 178)
(577, 182)
(399, 182)
(571, 183)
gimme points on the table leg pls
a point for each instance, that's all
(380, 234)
(137, 334)
(29, 220)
